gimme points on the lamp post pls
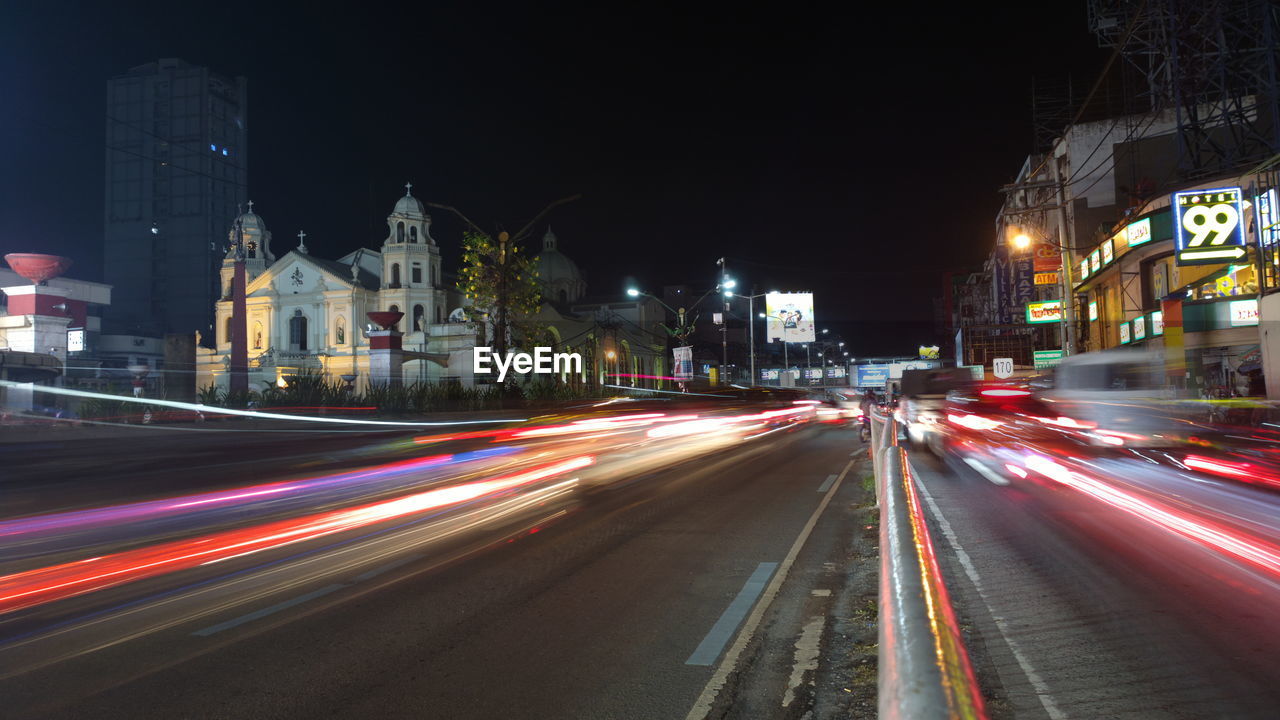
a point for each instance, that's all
(786, 363)
(751, 314)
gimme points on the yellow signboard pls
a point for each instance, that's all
(1046, 278)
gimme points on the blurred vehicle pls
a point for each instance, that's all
(848, 401)
(1121, 392)
(991, 428)
(924, 398)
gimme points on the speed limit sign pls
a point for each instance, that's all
(1002, 367)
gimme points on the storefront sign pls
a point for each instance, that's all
(1140, 328)
(872, 375)
(1138, 233)
(1045, 311)
(75, 340)
(1207, 226)
(1084, 270)
(1047, 258)
(1047, 278)
(1046, 358)
(1157, 323)
(1108, 252)
(1265, 204)
(1244, 312)
(1095, 261)
(1124, 333)
(1093, 310)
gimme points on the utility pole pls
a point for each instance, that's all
(751, 318)
(1068, 294)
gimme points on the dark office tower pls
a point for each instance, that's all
(177, 164)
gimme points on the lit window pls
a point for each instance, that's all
(213, 148)
(224, 152)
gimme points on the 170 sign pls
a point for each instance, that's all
(1207, 226)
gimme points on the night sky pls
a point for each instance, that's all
(854, 154)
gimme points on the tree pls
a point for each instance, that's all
(498, 278)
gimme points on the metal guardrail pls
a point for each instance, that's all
(924, 669)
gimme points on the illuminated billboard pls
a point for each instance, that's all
(790, 317)
(1207, 226)
(1046, 311)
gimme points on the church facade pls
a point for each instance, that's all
(307, 315)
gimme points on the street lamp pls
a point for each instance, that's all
(1021, 241)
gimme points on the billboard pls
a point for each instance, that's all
(790, 317)
(1207, 226)
(683, 368)
(872, 375)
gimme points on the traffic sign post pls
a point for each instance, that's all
(1002, 367)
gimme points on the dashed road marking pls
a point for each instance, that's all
(702, 706)
(827, 485)
(709, 649)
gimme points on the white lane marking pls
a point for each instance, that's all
(709, 649)
(806, 656)
(702, 706)
(1037, 683)
(820, 593)
(826, 485)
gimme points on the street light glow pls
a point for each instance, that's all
(633, 292)
(1022, 241)
(730, 283)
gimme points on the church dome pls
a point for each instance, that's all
(554, 265)
(409, 205)
(560, 278)
(256, 236)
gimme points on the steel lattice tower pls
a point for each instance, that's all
(1213, 63)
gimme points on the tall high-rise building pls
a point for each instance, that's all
(177, 168)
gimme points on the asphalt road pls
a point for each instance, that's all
(619, 603)
(1078, 610)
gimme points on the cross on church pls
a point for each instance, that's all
(301, 238)
(407, 187)
(250, 206)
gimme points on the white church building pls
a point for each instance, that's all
(307, 315)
